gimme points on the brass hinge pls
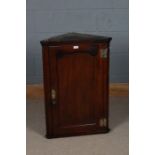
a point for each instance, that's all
(103, 122)
(104, 53)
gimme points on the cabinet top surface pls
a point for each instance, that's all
(75, 38)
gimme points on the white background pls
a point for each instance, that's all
(142, 77)
(13, 77)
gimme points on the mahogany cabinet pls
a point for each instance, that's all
(76, 78)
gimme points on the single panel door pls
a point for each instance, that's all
(79, 85)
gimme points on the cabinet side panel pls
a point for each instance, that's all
(46, 77)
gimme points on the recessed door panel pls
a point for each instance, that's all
(76, 89)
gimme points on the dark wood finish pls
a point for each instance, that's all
(80, 78)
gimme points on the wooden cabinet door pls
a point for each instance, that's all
(79, 89)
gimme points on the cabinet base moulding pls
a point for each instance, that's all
(78, 134)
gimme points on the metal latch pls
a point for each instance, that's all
(53, 96)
